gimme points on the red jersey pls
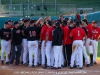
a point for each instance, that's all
(89, 30)
(10, 26)
(43, 32)
(77, 33)
(95, 33)
(66, 37)
(49, 33)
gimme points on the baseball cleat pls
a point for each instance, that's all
(2, 62)
(11, 65)
(95, 63)
(88, 65)
(81, 68)
(91, 64)
(7, 63)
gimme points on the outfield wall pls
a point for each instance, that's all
(90, 17)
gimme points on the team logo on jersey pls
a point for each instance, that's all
(94, 31)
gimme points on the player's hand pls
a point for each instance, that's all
(90, 43)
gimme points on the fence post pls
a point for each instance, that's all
(23, 11)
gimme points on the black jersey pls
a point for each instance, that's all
(32, 33)
(5, 34)
(16, 36)
(23, 32)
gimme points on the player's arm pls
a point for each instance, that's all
(40, 20)
(85, 16)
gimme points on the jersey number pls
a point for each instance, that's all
(78, 33)
(32, 33)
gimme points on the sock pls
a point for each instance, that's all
(91, 58)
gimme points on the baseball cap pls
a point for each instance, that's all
(16, 22)
(50, 23)
(32, 21)
(77, 22)
(6, 23)
(94, 21)
(26, 20)
(58, 24)
(64, 22)
(21, 19)
(10, 21)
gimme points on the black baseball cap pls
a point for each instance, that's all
(78, 23)
(22, 19)
(26, 20)
(6, 23)
(64, 22)
(32, 21)
(16, 22)
(58, 24)
(10, 21)
(50, 23)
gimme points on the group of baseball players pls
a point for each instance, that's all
(50, 43)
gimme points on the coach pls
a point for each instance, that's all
(16, 44)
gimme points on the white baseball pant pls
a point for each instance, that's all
(57, 56)
(43, 53)
(95, 50)
(39, 56)
(78, 50)
(88, 46)
(25, 50)
(33, 50)
(5, 46)
(85, 54)
(49, 54)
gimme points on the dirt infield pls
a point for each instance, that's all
(21, 70)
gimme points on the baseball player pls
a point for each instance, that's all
(16, 44)
(24, 41)
(95, 35)
(68, 45)
(10, 24)
(84, 24)
(5, 35)
(89, 43)
(57, 46)
(43, 37)
(48, 44)
(77, 35)
(32, 37)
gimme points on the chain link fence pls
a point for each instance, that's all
(47, 9)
